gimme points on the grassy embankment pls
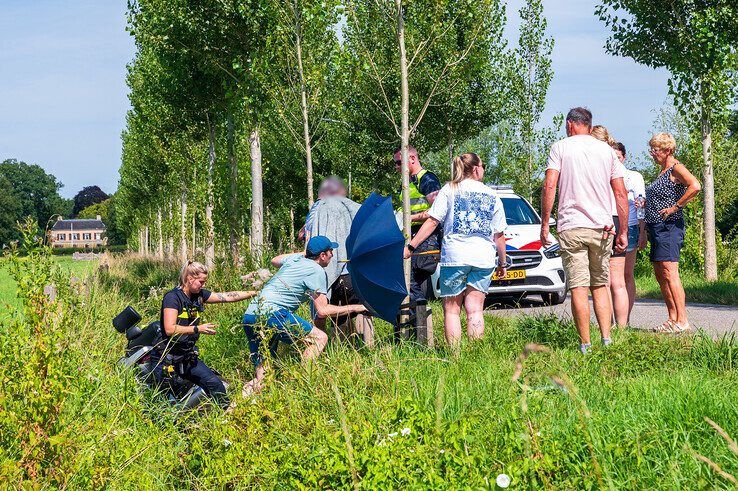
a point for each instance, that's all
(629, 417)
(721, 292)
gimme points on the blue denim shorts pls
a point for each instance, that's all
(633, 235)
(454, 279)
(288, 328)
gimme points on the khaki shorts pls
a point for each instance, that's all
(586, 256)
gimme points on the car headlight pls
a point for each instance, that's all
(553, 251)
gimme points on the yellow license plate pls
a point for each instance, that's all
(515, 274)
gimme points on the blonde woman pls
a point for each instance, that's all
(617, 284)
(180, 328)
(601, 133)
(666, 197)
(473, 224)
(637, 238)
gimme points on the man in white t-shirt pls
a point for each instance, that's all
(585, 171)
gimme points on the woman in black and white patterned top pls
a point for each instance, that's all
(666, 197)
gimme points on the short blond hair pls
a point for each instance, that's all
(663, 141)
(191, 268)
(601, 133)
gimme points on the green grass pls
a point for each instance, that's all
(79, 269)
(629, 417)
(697, 289)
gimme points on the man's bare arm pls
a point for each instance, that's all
(324, 309)
(621, 201)
(423, 215)
(278, 261)
(548, 196)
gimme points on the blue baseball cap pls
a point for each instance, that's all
(318, 244)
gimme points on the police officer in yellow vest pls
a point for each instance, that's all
(424, 187)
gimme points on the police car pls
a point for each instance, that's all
(531, 268)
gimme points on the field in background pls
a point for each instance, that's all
(79, 269)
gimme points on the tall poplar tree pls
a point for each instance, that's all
(529, 74)
(302, 70)
(410, 56)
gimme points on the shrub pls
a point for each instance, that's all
(68, 251)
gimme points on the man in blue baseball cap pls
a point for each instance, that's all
(300, 277)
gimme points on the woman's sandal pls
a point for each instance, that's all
(682, 328)
(668, 327)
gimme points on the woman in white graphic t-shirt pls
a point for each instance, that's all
(473, 224)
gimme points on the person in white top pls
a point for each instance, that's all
(637, 238)
(618, 290)
(473, 235)
(585, 170)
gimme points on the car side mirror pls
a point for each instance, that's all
(552, 222)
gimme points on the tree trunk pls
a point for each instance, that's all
(160, 244)
(303, 103)
(405, 133)
(170, 227)
(183, 227)
(450, 136)
(257, 196)
(210, 232)
(233, 221)
(146, 240)
(292, 229)
(194, 232)
(529, 132)
(708, 191)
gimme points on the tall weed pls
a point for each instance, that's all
(37, 365)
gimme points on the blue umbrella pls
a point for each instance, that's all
(374, 248)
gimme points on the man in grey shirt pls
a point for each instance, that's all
(331, 216)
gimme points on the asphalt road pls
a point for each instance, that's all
(647, 313)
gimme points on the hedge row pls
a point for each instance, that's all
(68, 251)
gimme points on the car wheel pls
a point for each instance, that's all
(553, 298)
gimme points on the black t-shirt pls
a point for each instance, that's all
(188, 314)
(428, 184)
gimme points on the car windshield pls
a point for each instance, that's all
(519, 212)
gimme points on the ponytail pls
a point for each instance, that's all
(463, 167)
(191, 268)
(601, 133)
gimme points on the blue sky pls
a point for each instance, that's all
(621, 94)
(62, 87)
(63, 94)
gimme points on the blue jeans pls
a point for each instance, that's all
(287, 328)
